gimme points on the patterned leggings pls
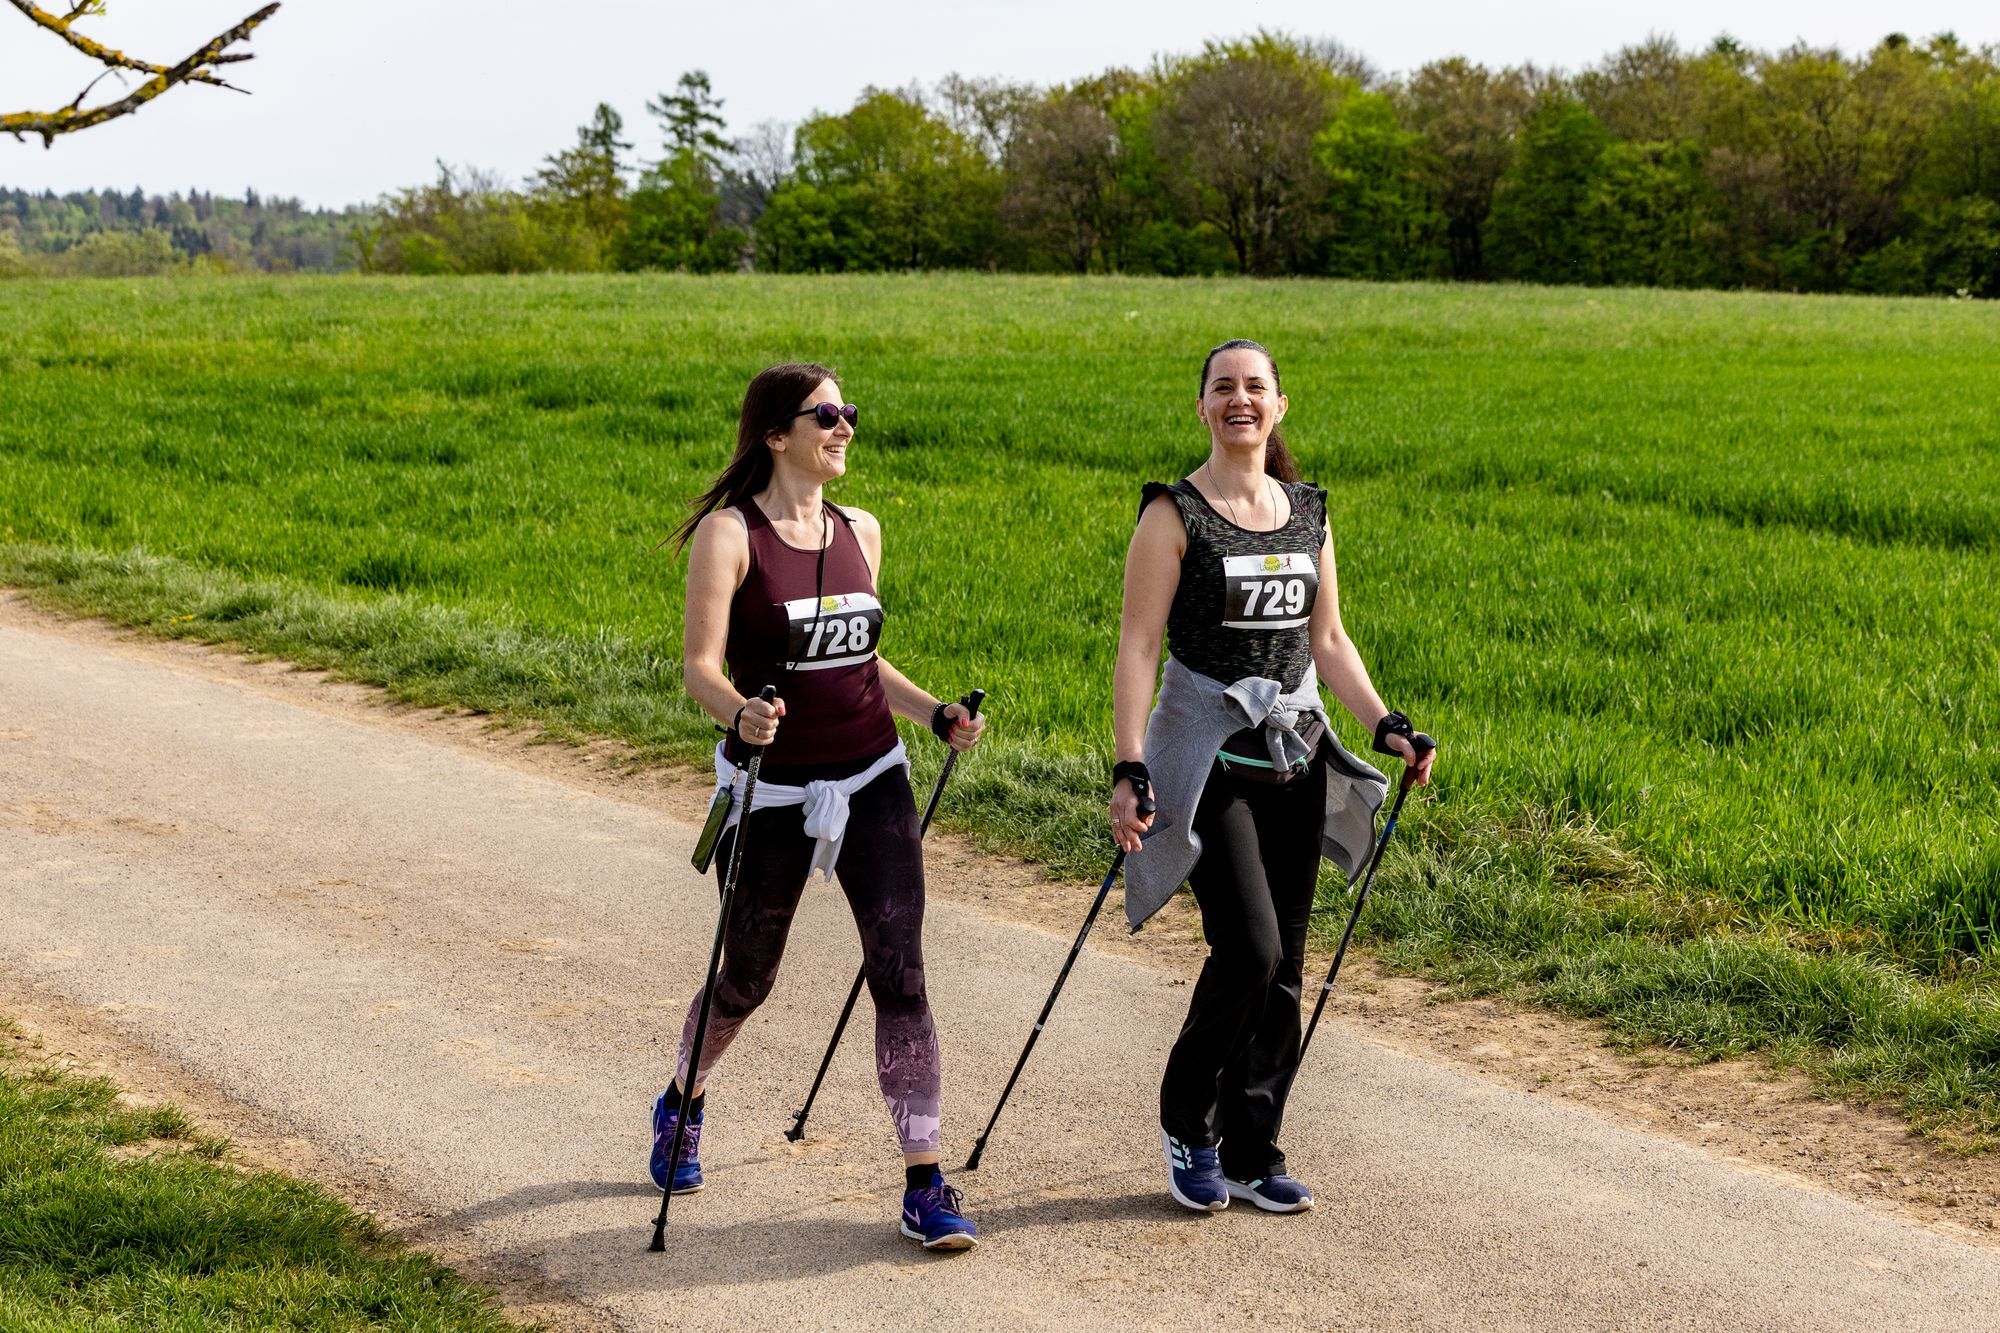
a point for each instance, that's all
(881, 869)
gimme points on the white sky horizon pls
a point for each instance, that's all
(351, 100)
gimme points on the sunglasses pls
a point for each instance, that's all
(827, 415)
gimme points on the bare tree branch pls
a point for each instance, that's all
(97, 50)
(196, 68)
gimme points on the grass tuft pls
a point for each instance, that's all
(92, 1238)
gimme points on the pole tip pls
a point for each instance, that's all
(972, 1162)
(658, 1244)
(796, 1132)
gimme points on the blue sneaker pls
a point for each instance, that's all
(931, 1215)
(1274, 1194)
(687, 1172)
(1193, 1176)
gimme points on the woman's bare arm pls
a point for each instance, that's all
(1152, 575)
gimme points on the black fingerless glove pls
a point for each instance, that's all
(940, 724)
(1392, 724)
(1136, 773)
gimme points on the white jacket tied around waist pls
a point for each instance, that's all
(1194, 715)
(825, 802)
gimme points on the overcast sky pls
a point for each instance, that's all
(355, 97)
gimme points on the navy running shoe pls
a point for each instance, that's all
(1193, 1176)
(932, 1215)
(687, 1172)
(1274, 1194)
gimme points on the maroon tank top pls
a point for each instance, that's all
(819, 650)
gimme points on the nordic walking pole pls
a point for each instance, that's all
(1421, 745)
(798, 1129)
(1146, 807)
(659, 1243)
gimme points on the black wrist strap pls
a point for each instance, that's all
(1392, 724)
(940, 724)
(1141, 778)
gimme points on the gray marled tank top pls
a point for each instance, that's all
(1245, 597)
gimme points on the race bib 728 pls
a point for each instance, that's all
(834, 631)
(1269, 591)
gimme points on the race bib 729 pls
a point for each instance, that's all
(834, 631)
(1269, 591)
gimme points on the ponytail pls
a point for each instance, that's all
(1278, 460)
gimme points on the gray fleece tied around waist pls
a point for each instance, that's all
(1193, 717)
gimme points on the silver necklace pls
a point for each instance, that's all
(1231, 504)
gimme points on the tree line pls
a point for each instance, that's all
(93, 233)
(1801, 169)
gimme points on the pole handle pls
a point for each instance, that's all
(1142, 791)
(972, 702)
(1420, 745)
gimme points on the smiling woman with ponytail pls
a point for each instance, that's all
(1232, 569)
(781, 592)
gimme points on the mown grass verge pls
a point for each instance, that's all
(1547, 907)
(117, 1217)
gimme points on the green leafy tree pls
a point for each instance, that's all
(1655, 219)
(796, 231)
(13, 264)
(691, 118)
(1385, 223)
(119, 254)
(1540, 226)
(469, 222)
(907, 190)
(1469, 117)
(1646, 93)
(1062, 169)
(674, 220)
(1236, 127)
(589, 178)
(1845, 142)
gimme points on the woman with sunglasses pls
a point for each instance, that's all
(782, 591)
(1232, 566)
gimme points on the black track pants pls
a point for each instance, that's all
(881, 869)
(1232, 1066)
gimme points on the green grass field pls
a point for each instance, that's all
(1697, 590)
(113, 1217)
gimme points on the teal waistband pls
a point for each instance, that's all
(1231, 757)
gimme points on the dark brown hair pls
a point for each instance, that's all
(768, 405)
(1278, 460)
